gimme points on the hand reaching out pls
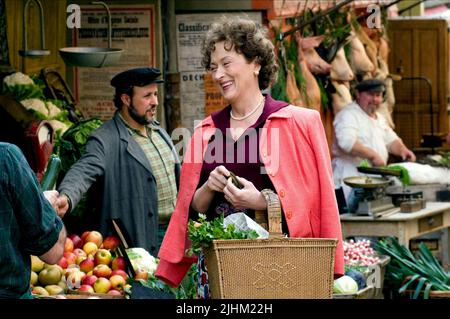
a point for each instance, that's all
(62, 204)
(52, 197)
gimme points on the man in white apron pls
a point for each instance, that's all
(362, 133)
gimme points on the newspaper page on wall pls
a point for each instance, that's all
(191, 29)
(133, 31)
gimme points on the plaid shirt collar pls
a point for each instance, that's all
(154, 126)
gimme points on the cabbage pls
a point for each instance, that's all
(345, 285)
(142, 260)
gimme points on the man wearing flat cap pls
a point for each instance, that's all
(134, 161)
(362, 133)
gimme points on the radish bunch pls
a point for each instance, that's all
(359, 253)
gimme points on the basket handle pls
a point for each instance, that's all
(270, 219)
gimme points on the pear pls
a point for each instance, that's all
(36, 264)
(63, 284)
(49, 276)
(54, 290)
(33, 278)
(38, 290)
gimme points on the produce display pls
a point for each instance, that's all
(421, 273)
(359, 254)
(359, 257)
(89, 264)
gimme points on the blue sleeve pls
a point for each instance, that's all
(38, 222)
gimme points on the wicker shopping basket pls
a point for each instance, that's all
(273, 268)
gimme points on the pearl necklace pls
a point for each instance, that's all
(249, 114)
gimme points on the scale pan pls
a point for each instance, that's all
(366, 182)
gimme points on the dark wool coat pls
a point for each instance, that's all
(128, 188)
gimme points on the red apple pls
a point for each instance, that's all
(141, 274)
(120, 272)
(87, 265)
(117, 281)
(68, 245)
(94, 237)
(63, 262)
(79, 252)
(84, 235)
(86, 288)
(89, 280)
(102, 256)
(102, 285)
(119, 263)
(76, 240)
(114, 292)
(80, 259)
(111, 242)
(102, 270)
(70, 257)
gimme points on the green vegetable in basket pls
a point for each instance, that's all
(345, 285)
(421, 273)
(203, 232)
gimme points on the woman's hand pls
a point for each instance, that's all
(217, 179)
(248, 197)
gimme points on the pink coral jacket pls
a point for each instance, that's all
(294, 150)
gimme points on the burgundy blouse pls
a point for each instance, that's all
(240, 157)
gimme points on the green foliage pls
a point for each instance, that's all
(365, 163)
(278, 91)
(203, 232)
(422, 273)
(155, 284)
(323, 94)
(23, 91)
(445, 160)
(72, 143)
(404, 177)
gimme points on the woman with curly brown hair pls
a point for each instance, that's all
(274, 148)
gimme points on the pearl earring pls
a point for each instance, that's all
(256, 72)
